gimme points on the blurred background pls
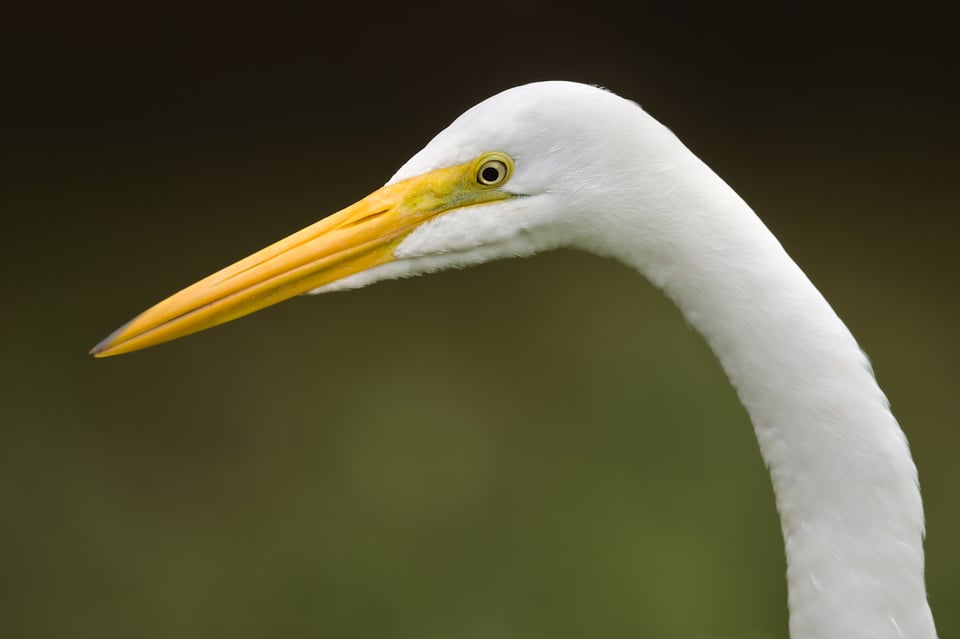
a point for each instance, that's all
(535, 448)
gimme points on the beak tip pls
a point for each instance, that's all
(108, 343)
(100, 349)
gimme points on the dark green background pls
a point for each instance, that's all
(535, 448)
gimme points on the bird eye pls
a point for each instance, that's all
(492, 172)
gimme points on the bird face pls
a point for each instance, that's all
(508, 178)
(451, 216)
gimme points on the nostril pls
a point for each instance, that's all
(361, 220)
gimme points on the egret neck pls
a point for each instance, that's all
(845, 483)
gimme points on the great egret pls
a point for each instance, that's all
(564, 164)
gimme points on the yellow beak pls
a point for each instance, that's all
(357, 238)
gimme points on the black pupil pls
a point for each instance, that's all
(490, 174)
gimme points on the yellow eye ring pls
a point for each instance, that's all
(493, 170)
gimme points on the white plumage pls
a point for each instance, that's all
(594, 171)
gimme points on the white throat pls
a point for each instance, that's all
(845, 483)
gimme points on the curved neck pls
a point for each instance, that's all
(845, 483)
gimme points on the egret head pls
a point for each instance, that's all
(514, 175)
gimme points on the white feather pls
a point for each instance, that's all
(596, 172)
